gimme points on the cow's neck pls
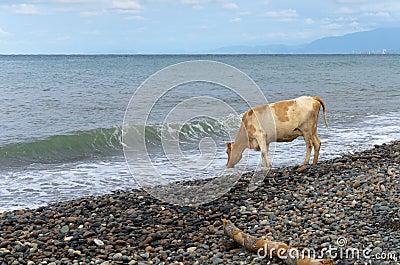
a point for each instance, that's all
(241, 143)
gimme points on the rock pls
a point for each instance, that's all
(64, 229)
(145, 255)
(117, 257)
(72, 219)
(167, 221)
(88, 234)
(68, 238)
(203, 246)
(218, 261)
(120, 243)
(384, 208)
(316, 227)
(191, 249)
(98, 242)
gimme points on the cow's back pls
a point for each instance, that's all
(286, 115)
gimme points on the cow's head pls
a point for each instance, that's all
(228, 152)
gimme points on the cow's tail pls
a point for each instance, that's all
(323, 107)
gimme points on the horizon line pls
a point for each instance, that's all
(184, 54)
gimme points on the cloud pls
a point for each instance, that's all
(286, 13)
(63, 38)
(135, 18)
(379, 14)
(244, 13)
(75, 1)
(235, 20)
(346, 10)
(91, 33)
(309, 21)
(126, 4)
(39, 33)
(92, 13)
(25, 9)
(127, 7)
(332, 26)
(341, 24)
(3, 32)
(230, 6)
(274, 36)
(190, 2)
(197, 4)
(138, 30)
(382, 7)
(350, 1)
(256, 36)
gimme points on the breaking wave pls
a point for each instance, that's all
(105, 142)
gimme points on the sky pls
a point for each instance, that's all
(180, 26)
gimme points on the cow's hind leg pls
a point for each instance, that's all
(308, 140)
(309, 144)
(263, 145)
(317, 145)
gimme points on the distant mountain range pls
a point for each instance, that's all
(378, 41)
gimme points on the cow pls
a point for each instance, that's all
(281, 121)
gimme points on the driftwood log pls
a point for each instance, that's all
(272, 249)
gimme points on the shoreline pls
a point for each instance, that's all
(355, 196)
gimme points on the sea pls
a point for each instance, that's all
(61, 116)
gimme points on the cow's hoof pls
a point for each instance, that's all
(301, 169)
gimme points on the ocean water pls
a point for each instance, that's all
(61, 116)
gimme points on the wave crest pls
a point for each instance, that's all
(105, 142)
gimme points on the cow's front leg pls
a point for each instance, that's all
(264, 155)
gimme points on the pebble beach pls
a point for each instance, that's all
(350, 202)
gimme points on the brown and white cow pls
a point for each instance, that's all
(292, 118)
